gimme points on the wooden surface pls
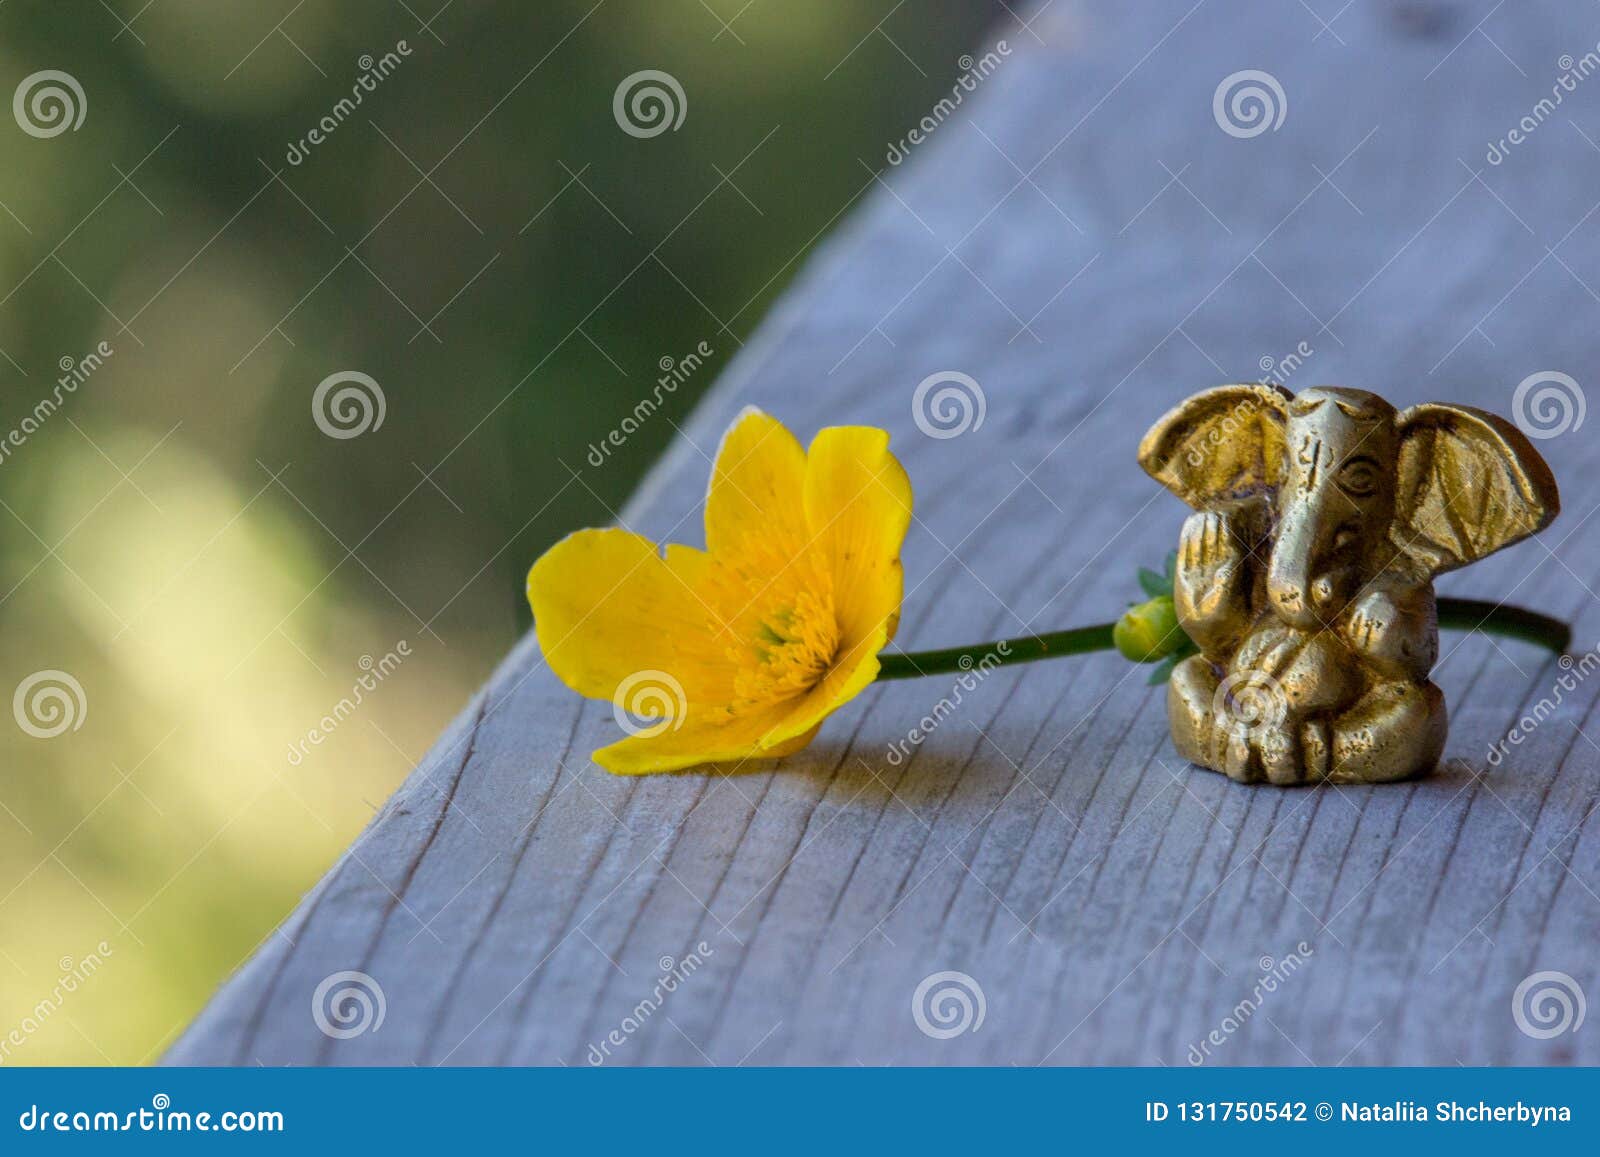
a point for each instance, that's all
(1087, 243)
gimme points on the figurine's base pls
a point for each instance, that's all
(1394, 732)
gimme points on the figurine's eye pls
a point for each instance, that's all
(1359, 478)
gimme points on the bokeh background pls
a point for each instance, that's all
(483, 240)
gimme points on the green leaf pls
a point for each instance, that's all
(1154, 584)
(1163, 670)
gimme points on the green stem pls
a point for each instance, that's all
(1455, 614)
(1510, 622)
(1022, 649)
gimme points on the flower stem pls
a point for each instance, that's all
(1022, 649)
(1455, 614)
(1510, 622)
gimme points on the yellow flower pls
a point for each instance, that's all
(740, 650)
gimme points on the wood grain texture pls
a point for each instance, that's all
(1087, 243)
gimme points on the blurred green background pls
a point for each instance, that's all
(482, 239)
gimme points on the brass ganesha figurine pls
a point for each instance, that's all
(1305, 574)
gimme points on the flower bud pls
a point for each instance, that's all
(1149, 631)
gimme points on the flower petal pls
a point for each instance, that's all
(858, 508)
(785, 531)
(852, 672)
(754, 513)
(696, 743)
(607, 606)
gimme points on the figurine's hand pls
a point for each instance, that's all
(1395, 635)
(1211, 582)
(1210, 561)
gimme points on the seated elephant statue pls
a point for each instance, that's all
(1305, 575)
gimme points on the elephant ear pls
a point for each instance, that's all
(1227, 442)
(1469, 483)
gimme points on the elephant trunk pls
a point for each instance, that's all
(1301, 585)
